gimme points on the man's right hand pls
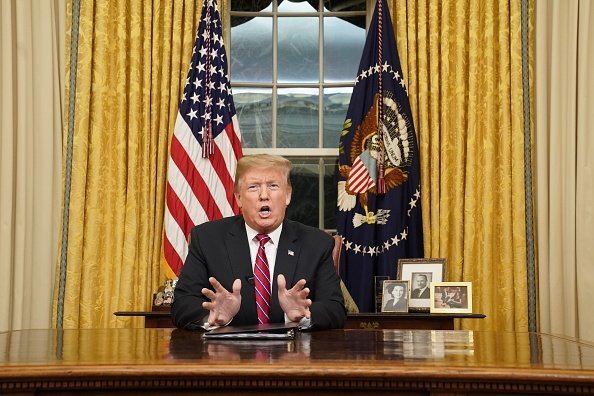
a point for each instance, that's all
(223, 305)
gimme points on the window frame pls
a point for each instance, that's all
(323, 155)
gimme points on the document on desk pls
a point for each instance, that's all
(271, 331)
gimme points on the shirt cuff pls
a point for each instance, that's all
(206, 326)
(303, 324)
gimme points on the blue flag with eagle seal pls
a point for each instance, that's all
(378, 228)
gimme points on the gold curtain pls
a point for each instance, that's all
(129, 60)
(463, 63)
(462, 60)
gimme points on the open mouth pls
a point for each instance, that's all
(265, 211)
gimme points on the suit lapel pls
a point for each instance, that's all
(287, 254)
(241, 266)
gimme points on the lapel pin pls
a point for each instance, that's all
(291, 253)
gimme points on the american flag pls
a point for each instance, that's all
(360, 178)
(205, 146)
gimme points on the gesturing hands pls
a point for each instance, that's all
(223, 305)
(294, 301)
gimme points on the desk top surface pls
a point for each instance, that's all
(417, 362)
(339, 351)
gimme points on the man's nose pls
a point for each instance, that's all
(264, 193)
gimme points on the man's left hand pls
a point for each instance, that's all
(294, 301)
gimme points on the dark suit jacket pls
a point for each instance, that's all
(220, 249)
(416, 293)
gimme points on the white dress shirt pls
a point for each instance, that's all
(270, 247)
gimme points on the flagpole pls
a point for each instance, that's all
(381, 184)
(208, 144)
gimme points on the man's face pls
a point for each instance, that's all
(421, 281)
(263, 196)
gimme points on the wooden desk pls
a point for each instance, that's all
(415, 362)
(427, 321)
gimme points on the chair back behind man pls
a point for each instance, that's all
(349, 303)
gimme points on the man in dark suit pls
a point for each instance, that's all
(217, 285)
(422, 289)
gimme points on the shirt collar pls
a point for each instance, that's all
(274, 235)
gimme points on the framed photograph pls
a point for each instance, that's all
(420, 273)
(451, 297)
(395, 296)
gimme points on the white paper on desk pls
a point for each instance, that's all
(272, 331)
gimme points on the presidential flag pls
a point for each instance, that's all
(379, 190)
(205, 146)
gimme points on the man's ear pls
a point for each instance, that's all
(237, 196)
(288, 199)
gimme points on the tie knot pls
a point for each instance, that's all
(263, 238)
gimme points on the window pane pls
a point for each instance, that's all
(336, 104)
(251, 49)
(343, 46)
(305, 197)
(297, 117)
(298, 54)
(330, 192)
(254, 114)
(305, 200)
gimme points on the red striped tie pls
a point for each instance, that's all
(262, 275)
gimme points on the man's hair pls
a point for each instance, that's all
(254, 161)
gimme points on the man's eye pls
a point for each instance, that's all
(273, 187)
(252, 187)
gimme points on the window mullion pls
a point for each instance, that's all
(321, 78)
(321, 115)
(274, 72)
(321, 190)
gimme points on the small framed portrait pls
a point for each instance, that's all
(395, 296)
(420, 273)
(451, 297)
